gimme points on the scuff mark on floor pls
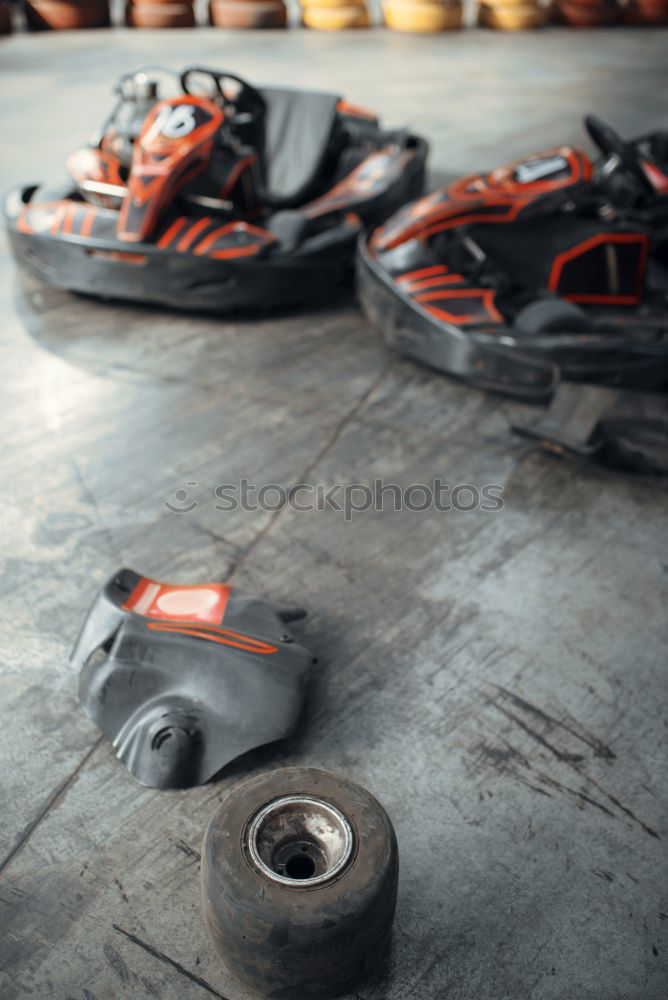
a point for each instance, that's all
(543, 729)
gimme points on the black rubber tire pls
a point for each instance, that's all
(551, 316)
(300, 941)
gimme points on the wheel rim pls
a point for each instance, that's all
(300, 841)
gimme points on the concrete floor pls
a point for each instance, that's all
(497, 680)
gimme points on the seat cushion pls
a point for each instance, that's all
(300, 135)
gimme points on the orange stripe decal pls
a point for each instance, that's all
(217, 630)
(346, 108)
(211, 238)
(22, 223)
(450, 293)
(55, 225)
(240, 227)
(457, 320)
(485, 296)
(234, 252)
(223, 636)
(436, 282)
(189, 237)
(87, 224)
(170, 233)
(423, 272)
(513, 210)
(68, 220)
(120, 256)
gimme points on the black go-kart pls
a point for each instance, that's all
(553, 268)
(222, 197)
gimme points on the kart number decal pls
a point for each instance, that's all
(175, 122)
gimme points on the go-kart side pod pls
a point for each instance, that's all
(184, 679)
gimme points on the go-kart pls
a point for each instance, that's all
(555, 267)
(222, 197)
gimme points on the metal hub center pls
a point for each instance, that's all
(299, 840)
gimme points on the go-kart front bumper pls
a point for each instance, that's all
(104, 266)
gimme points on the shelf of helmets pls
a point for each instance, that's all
(42, 15)
(421, 16)
(428, 16)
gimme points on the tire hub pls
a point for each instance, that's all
(300, 840)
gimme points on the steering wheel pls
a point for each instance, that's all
(611, 144)
(248, 103)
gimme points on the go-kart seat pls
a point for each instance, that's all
(300, 138)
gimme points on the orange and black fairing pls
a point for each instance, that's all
(184, 678)
(449, 296)
(370, 179)
(173, 147)
(484, 278)
(94, 227)
(498, 197)
(195, 610)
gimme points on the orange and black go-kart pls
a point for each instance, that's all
(222, 197)
(552, 268)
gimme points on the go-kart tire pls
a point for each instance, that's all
(5, 19)
(407, 15)
(299, 883)
(61, 15)
(159, 15)
(336, 18)
(248, 13)
(551, 316)
(511, 17)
